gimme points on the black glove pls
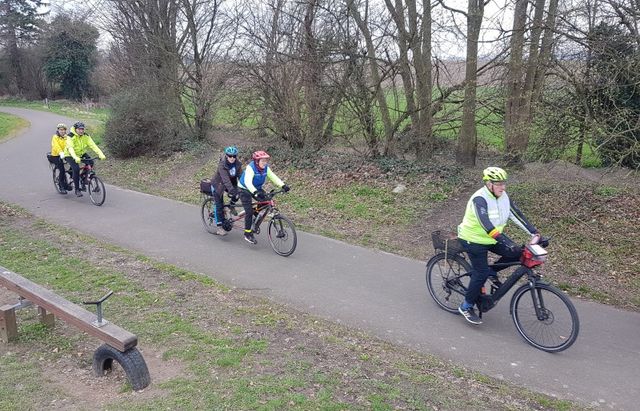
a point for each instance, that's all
(233, 199)
(259, 195)
(513, 247)
(286, 188)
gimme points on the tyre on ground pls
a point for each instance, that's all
(131, 362)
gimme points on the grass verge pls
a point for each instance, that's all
(208, 346)
(9, 125)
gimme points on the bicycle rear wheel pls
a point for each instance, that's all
(207, 213)
(447, 280)
(555, 325)
(282, 235)
(97, 192)
(56, 179)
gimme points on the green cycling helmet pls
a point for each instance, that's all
(494, 174)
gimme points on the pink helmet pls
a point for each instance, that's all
(259, 155)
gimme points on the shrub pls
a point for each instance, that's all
(142, 122)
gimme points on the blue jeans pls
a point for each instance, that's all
(480, 266)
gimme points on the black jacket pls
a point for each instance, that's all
(226, 177)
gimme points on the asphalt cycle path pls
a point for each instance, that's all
(380, 293)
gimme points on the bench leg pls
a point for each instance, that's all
(48, 319)
(8, 326)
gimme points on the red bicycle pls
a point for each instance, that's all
(281, 231)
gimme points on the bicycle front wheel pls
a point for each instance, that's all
(97, 192)
(208, 215)
(545, 317)
(447, 280)
(282, 235)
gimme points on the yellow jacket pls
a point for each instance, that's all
(58, 145)
(78, 144)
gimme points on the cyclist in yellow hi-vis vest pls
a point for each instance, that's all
(488, 211)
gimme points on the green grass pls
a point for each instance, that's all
(63, 107)
(592, 228)
(9, 124)
(20, 378)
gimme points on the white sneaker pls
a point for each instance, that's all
(221, 231)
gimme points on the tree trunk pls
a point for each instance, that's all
(375, 77)
(422, 61)
(523, 93)
(468, 139)
(514, 81)
(16, 61)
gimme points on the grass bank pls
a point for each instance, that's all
(208, 346)
(79, 111)
(10, 124)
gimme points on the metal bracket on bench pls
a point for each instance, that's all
(100, 322)
(22, 303)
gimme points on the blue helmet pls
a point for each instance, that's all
(231, 151)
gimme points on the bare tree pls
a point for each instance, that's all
(467, 138)
(210, 34)
(146, 41)
(525, 74)
(291, 63)
(376, 75)
(414, 45)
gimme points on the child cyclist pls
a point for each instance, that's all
(250, 184)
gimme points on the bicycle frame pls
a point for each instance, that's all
(487, 301)
(260, 208)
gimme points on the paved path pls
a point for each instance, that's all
(380, 293)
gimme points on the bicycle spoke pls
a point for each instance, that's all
(545, 317)
(282, 235)
(447, 280)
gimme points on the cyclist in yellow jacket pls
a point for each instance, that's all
(76, 150)
(488, 211)
(58, 145)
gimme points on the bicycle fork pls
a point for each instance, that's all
(538, 301)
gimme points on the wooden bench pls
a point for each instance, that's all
(120, 345)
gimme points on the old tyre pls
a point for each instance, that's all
(131, 362)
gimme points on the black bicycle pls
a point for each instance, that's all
(542, 313)
(281, 231)
(88, 180)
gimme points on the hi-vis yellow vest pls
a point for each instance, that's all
(498, 209)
